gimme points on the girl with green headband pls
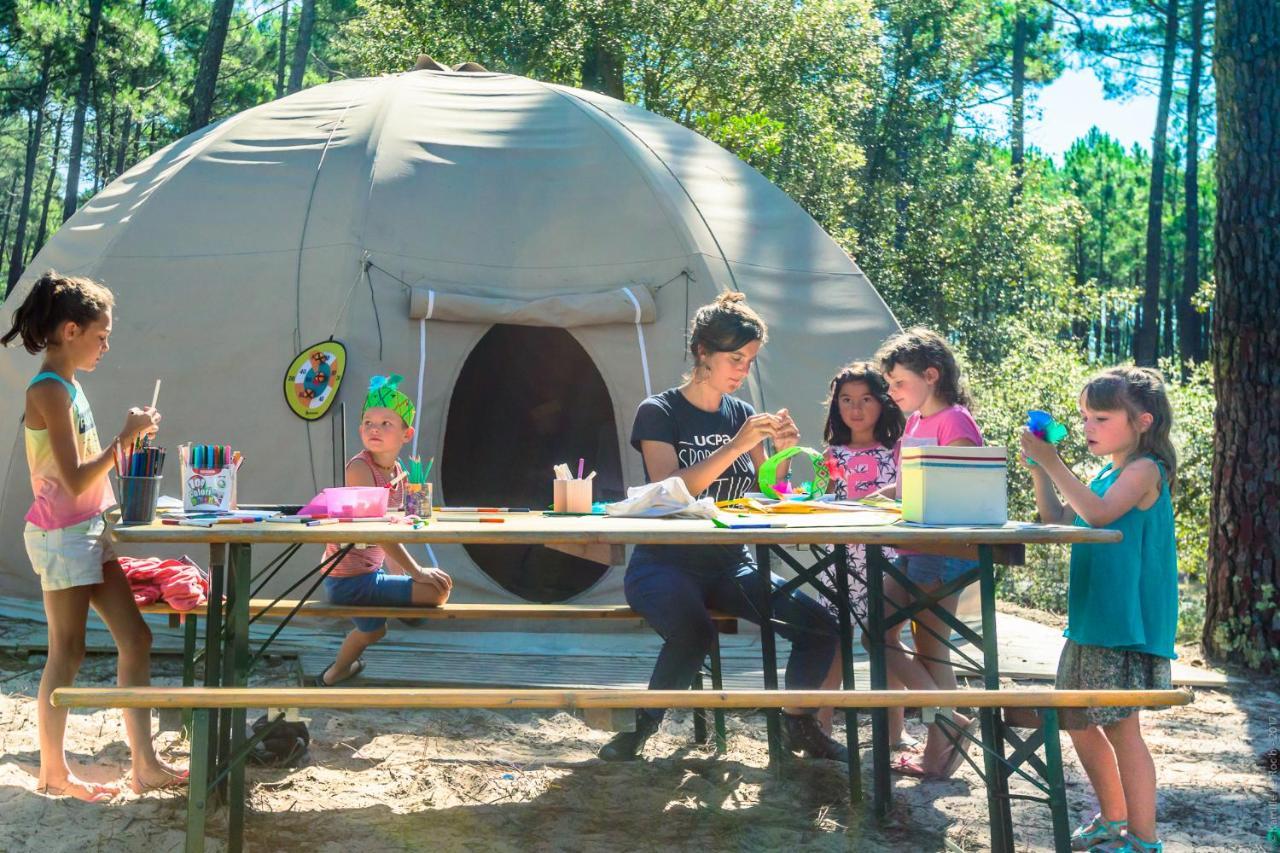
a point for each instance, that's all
(361, 577)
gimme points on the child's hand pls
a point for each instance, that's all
(1036, 449)
(434, 578)
(788, 433)
(144, 421)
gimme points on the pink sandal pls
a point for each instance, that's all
(908, 766)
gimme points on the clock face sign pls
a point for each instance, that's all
(311, 383)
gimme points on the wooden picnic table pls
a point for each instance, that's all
(228, 659)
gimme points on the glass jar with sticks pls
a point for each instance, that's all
(417, 488)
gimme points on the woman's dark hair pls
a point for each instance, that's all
(919, 349)
(1135, 391)
(889, 425)
(725, 325)
(56, 299)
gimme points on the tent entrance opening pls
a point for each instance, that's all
(526, 398)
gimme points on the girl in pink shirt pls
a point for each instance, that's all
(924, 380)
(69, 320)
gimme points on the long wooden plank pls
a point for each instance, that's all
(261, 697)
(536, 529)
(267, 607)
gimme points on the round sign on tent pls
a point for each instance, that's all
(311, 383)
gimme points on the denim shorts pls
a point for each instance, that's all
(69, 556)
(933, 568)
(373, 589)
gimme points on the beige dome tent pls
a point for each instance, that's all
(526, 255)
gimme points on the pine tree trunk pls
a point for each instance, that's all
(206, 84)
(601, 66)
(122, 147)
(1018, 71)
(284, 48)
(23, 207)
(1188, 319)
(16, 256)
(1144, 351)
(106, 163)
(98, 120)
(105, 158)
(85, 71)
(302, 45)
(8, 213)
(1241, 620)
(48, 187)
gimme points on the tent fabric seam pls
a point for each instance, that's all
(306, 223)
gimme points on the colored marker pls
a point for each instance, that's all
(482, 509)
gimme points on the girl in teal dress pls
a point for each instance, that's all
(1122, 603)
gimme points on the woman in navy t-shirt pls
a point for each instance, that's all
(715, 442)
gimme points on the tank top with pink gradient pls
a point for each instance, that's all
(55, 505)
(362, 561)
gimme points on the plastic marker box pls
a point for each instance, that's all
(955, 485)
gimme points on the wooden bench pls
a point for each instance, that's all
(205, 700)
(270, 608)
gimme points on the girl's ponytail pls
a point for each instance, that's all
(54, 300)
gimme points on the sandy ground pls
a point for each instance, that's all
(476, 780)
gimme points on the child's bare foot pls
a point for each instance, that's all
(157, 777)
(71, 786)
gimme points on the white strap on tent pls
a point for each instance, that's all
(422, 370)
(417, 411)
(644, 356)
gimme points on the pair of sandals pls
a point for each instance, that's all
(1112, 836)
(909, 765)
(104, 792)
(354, 670)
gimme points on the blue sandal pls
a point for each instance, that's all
(1130, 843)
(1097, 831)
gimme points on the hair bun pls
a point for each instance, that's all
(731, 297)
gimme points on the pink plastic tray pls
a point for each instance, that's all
(356, 501)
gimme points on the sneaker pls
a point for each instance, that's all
(802, 735)
(627, 746)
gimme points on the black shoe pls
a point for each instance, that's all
(802, 735)
(627, 746)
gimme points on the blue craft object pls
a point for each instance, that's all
(1045, 427)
